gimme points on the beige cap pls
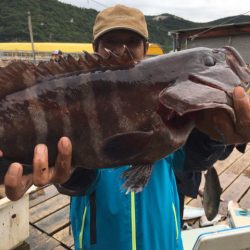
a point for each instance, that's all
(120, 17)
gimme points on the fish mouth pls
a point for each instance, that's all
(173, 120)
(232, 51)
(220, 85)
(178, 109)
(238, 65)
(207, 81)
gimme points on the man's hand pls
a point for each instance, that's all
(218, 124)
(16, 184)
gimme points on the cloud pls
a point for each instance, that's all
(193, 10)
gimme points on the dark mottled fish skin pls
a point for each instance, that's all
(115, 115)
(212, 193)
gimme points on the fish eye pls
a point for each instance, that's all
(209, 61)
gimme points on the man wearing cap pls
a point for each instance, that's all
(115, 220)
(107, 218)
(110, 219)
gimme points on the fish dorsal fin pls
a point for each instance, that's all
(125, 59)
(90, 61)
(16, 76)
(96, 61)
(20, 75)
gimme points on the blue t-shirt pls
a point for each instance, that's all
(143, 221)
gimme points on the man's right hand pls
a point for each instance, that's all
(16, 184)
(219, 126)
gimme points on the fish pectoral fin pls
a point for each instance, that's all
(126, 145)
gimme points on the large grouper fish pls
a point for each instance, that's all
(115, 111)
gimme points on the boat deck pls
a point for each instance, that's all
(49, 210)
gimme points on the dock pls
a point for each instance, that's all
(49, 210)
(49, 221)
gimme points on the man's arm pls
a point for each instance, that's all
(201, 152)
(214, 139)
(198, 154)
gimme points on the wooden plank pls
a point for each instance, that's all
(48, 207)
(234, 174)
(234, 181)
(241, 163)
(228, 176)
(234, 192)
(60, 248)
(65, 236)
(42, 195)
(238, 188)
(245, 201)
(40, 241)
(221, 166)
(24, 246)
(231, 173)
(54, 222)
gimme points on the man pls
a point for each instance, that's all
(107, 218)
(56, 56)
(120, 221)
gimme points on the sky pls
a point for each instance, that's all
(192, 10)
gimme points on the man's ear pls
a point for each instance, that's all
(146, 48)
(95, 46)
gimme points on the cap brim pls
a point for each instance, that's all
(117, 28)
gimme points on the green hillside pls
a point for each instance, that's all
(54, 21)
(51, 20)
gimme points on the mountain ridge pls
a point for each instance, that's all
(54, 21)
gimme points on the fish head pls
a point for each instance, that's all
(223, 69)
(207, 82)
